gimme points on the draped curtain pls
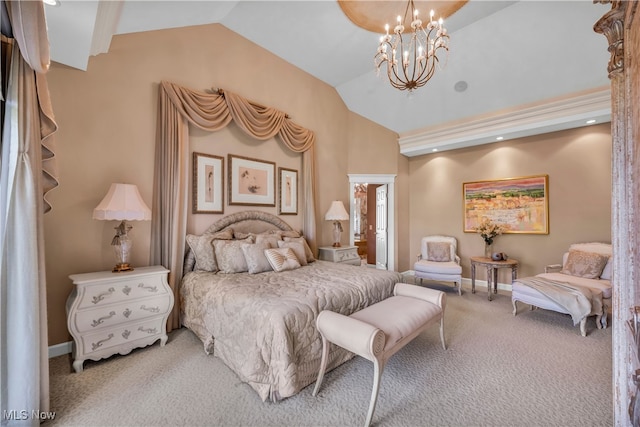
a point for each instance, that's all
(179, 107)
(27, 173)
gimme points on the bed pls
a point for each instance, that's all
(262, 325)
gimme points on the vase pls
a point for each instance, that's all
(488, 250)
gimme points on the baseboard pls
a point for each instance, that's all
(60, 349)
(482, 284)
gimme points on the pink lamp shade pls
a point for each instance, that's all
(122, 202)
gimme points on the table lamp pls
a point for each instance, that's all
(122, 203)
(336, 213)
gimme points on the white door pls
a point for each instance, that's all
(381, 227)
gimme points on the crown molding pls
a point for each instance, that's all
(566, 113)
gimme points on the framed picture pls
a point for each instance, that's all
(288, 191)
(521, 204)
(208, 183)
(251, 181)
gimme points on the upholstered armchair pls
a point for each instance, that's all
(438, 261)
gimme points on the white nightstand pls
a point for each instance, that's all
(109, 313)
(343, 254)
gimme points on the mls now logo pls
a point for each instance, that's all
(16, 415)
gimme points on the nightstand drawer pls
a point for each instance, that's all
(121, 290)
(89, 320)
(121, 336)
(343, 254)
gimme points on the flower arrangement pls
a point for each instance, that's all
(488, 230)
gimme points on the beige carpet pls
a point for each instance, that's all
(499, 370)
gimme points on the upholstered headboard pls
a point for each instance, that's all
(241, 222)
(249, 222)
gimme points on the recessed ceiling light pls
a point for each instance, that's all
(51, 2)
(500, 138)
(434, 150)
(590, 122)
(461, 86)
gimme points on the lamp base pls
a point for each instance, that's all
(119, 268)
(337, 232)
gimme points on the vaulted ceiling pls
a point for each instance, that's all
(515, 68)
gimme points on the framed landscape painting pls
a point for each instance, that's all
(288, 189)
(521, 204)
(251, 181)
(208, 183)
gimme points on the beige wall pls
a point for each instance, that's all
(107, 122)
(578, 163)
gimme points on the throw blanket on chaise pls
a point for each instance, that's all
(579, 301)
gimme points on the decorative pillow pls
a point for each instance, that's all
(297, 248)
(285, 233)
(254, 255)
(585, 264)
(282, 259)
(307, 249)
(241, 236)
(438, 251)
(599, 248)
(203, 251)
(230, 256)
(607, 271)
(271, 239)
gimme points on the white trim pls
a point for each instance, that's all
(60, 349)
(105, 27)
(391, 207)
(566, 113)
(481, 285)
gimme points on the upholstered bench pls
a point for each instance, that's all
(380, 330)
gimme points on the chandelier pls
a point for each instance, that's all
(419, 50)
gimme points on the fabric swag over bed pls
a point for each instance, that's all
(179, 106)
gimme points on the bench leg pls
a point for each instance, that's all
(444, 344)
(378, 367)
(323, 365)
(515, 308)
(583, 326)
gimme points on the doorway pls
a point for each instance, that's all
(362, 218)
(364, 221)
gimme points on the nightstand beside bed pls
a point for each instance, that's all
(109, 313)
(341, 254)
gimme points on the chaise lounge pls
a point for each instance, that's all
(580, 286)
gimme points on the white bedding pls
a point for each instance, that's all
(263, 325)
